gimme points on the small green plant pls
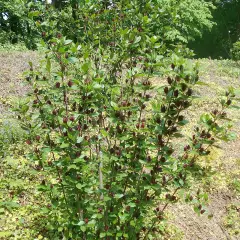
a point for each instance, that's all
(107, 143)
(231, 221)
(235, 185)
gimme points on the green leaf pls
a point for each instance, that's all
(48, 66)
(64, 145)
(79, 186)
(104, 133)
(235, 106)
(114, 105)
(33, 14)
(66, 42)
(119, 234)
(99, 216)
(205, 118)
(85, 67)
(61, 50)
(102, 235)
(79, 160)
(132, 223)
(181, 182)
(196, 209)
(81, 223)
(153, 39)
(79, 139)
(9, 205)
(106, 198)
(118, 196)
(178, 135)
(132, 204)
(72, 60)
(72, 166)
(202, 83)
(137, 39)
(83, 228)
(97, 86)
(116, 90)
(182, 123)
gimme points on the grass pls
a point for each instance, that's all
(13, 47)
(231, 220)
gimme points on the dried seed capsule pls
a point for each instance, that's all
(166, 90)
(169, 80)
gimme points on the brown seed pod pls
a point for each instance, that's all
(166, 90)
(229, 102)
(65, 120)
(169, 80)
(70, 83)
(57, 84)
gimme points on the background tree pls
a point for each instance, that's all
(175, 21)
(218, 42)
(17, 21)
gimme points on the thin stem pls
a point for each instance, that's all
(155, 222)
(63, 190)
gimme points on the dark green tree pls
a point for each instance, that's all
(17, 21)
(218, 42)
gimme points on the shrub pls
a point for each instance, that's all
(104, 136)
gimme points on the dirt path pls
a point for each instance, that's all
(12, 64)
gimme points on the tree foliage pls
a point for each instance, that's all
(175, 21)
(17, 22)
(235, 51)
(226, 31)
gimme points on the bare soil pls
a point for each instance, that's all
(12, 65)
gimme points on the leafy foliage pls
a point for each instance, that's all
(17, 22)
(231, 221)
(171, 20)
(217, 43)
(103, 135)
(235, 51)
